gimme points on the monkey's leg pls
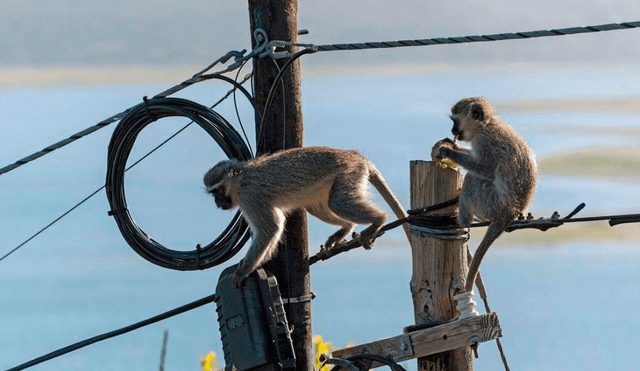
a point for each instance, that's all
(473, 191)
(267, 225)
(349, 202)
(323, 213)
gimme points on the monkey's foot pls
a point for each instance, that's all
(368, 236)
(330, 243)
(367, 241)
(327, 245)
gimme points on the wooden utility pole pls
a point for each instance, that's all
(439, 266)
(283, 129)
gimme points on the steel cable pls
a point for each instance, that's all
(475, 38)
(237, 86)
(124, 136)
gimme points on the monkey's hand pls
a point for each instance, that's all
(437, 154)
(446, 142)
(240, 275)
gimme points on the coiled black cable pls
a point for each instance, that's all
(124, 136)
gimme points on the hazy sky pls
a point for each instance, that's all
(169, 32)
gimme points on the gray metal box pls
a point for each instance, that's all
(253, 326)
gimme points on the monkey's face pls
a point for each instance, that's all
(464, 127)
(455, 130)
(461, 129)
(222, 199)
(468, 116)
(216, 180)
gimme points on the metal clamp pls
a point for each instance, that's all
(299, 299)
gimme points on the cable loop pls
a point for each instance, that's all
(124, 136)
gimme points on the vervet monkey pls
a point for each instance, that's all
(331, 184)
(501, 171)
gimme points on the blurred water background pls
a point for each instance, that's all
(567, 299)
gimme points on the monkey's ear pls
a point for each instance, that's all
(477, 112)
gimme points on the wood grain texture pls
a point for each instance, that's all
(283, 128)
(430, 342)
(439, 266)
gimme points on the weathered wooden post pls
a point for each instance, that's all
(439, 274)
(284, 129)
(439, 266)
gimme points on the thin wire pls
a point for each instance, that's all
(121, 331)
(95, 192)
(310, 48)
(127, 169)
(235, 104)
(483, 295)
(106, 122)
(284, 108)
(269, 100)
(53, 222)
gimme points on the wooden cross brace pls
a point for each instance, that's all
(421, 343)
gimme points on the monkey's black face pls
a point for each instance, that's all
(456, 130)
(222, 200)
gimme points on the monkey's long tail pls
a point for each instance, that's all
(493, 232)
(376, 178)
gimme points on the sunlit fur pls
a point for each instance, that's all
(501, 171)
(329, 183)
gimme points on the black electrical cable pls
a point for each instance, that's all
(392, 364)
(235, 105)
(339, 363)
(237, 86)
(267, 104)
(108, 335)
(124, 136)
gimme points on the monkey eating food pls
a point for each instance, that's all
(331, 184)
(501, 171)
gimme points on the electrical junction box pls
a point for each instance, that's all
(253, 326)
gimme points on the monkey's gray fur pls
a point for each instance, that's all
(331, 184)
(501, 171)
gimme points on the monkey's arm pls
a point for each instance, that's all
(469, 162)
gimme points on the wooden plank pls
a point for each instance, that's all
(421, 343)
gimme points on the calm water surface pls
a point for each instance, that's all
(566, 307)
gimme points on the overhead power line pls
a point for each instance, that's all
(474, 38)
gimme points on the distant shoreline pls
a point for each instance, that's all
(21, 77)
(16, 77)
(622, 104)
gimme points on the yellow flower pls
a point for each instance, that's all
(209, 362)
(320, 348)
